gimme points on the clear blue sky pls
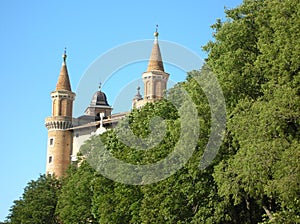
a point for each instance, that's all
(33, 36)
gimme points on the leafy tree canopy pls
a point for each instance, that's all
(38, 202)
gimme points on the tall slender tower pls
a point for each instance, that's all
(155, 78)
(60, 138)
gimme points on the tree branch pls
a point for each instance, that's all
(268, 212)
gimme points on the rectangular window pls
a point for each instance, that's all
(51, 141)
(50, 159)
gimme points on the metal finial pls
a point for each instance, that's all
(65, 55)
(156, 32)
(100, 86)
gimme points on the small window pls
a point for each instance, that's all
(51, 141)
(50, 159)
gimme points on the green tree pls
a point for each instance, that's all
(115, 202)
(190, 195)
(256, 59)
(233, 53)
(38, 202)
(75, 201)
(258, 172)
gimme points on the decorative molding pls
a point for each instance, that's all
(58, 125)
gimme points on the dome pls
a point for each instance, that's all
(99, 99)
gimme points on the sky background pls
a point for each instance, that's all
(33, 37)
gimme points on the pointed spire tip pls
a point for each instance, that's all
(65, 55)
(156, 32)
(63, 82)
(155, 62)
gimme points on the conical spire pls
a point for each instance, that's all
(63, 82)
(155, 62)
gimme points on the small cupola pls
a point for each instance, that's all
(99, 98)
(98, 104)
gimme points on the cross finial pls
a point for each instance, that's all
(101, 119)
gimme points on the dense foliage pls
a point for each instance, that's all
(38, 202)
(255, 177)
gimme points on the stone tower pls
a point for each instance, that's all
(60, 137)
(155, 78)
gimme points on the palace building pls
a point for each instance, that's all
(66, 134)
